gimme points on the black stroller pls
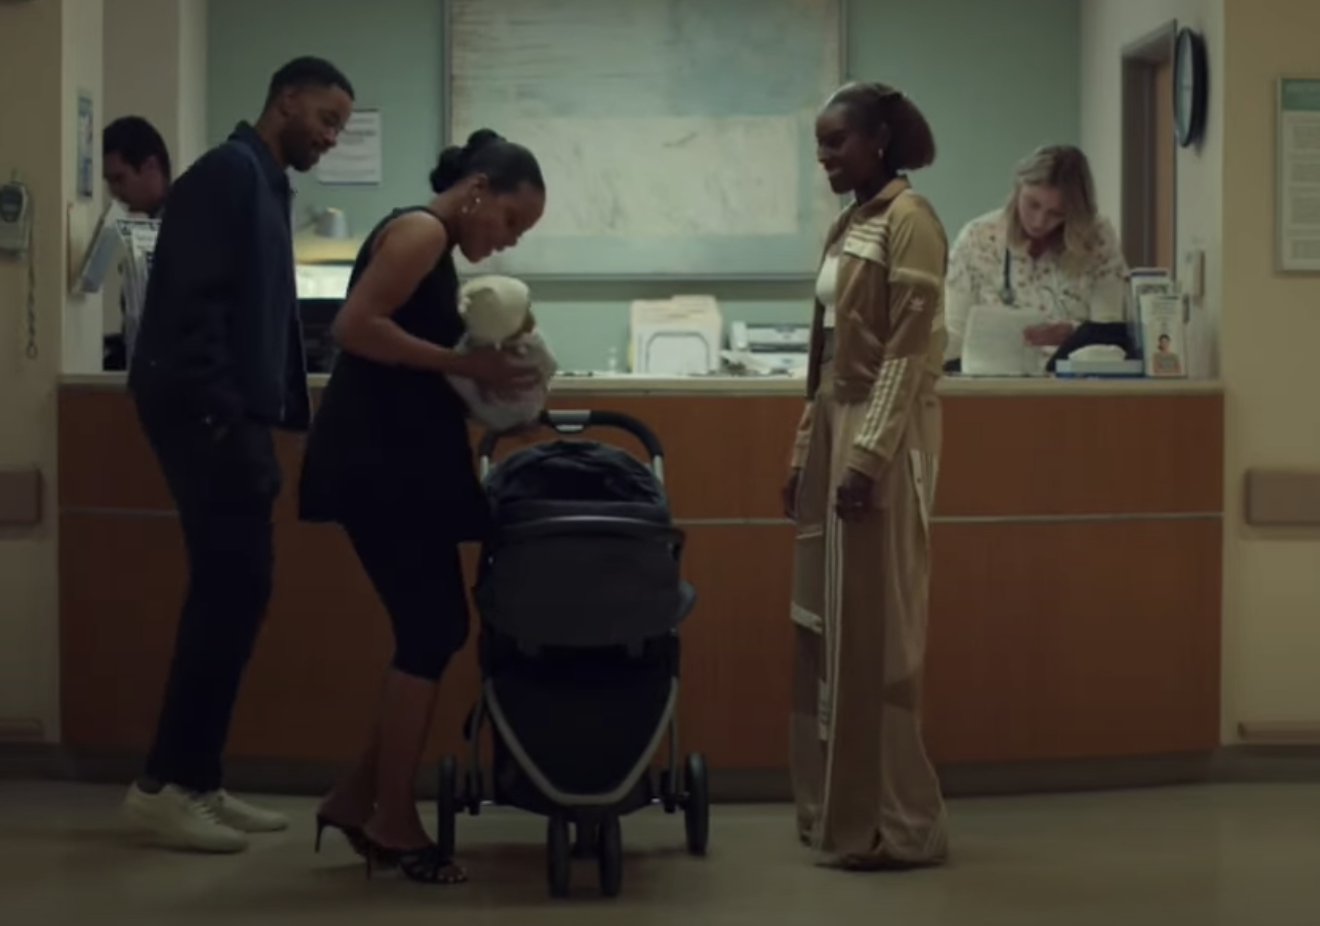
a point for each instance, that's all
(580, 599)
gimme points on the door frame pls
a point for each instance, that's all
(1141, 59)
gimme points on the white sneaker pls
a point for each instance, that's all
(179, 819)
(242, 816)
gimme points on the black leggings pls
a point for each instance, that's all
(418, 575)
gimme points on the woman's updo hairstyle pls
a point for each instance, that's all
(872, 106)
(505, 165)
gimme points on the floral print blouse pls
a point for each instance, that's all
(1043, 285)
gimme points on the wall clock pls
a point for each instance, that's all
(1191, 80)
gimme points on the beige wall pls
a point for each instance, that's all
(155, 67)
(1271, 330)
(142, 74)
(192, 81)
(1268, 325)
(84, 324)
(38, 95)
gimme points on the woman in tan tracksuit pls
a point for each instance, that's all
(861, 489)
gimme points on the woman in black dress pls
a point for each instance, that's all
(388, 459)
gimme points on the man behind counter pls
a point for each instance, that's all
(135, 164)
(217, 364)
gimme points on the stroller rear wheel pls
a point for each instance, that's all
(668, 791)
(558, 856)
(611, 856)
(472, 792)
(696, 804)
(446, 806)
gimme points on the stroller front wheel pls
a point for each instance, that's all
(558, 856)
(696, 804)
(447, 802)
(611, 856)
(668, 791)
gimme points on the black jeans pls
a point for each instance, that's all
(224, 483)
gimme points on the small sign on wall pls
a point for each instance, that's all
(86, 178)
(357, 159)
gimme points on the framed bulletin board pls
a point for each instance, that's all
(1297, 174)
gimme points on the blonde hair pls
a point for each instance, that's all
(1067, 170)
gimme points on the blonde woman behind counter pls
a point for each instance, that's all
(1047, 252)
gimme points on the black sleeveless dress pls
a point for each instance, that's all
(393, 442)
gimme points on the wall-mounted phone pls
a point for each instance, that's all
(15, 219)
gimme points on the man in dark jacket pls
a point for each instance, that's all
(218, 364)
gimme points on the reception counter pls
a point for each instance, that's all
(1075, 599)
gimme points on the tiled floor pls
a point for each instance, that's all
(1209, 856)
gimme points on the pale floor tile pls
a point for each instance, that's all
(1205, 856)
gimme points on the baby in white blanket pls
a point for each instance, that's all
(498, 313)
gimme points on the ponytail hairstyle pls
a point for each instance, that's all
(875, 107)
(505, 165)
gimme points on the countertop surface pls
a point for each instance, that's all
(625, 384)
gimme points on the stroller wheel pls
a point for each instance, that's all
(611, 856)
(557, 856)
(587, 841)
(472, 792)
(447, 803)
(696, 804)
(668, 793)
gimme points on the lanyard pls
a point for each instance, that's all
(1007, 293)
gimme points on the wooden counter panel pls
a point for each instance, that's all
(312, 689)
(104, 459)
(121, 585)
(1048, 641)
(1074, 455)
(725, 456)
(716, 452)
(313, 684)
(1067, 640)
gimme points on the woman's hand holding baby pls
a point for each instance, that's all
(499, 373)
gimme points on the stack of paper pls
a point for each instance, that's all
(995, 343)
(676, 337)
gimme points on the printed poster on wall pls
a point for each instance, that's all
(357, 159)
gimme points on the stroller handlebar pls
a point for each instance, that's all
(576, 421)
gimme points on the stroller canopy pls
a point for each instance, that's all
(575, 476)
(584, 552)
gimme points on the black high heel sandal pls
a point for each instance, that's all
(354, 835)
(426, 865)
